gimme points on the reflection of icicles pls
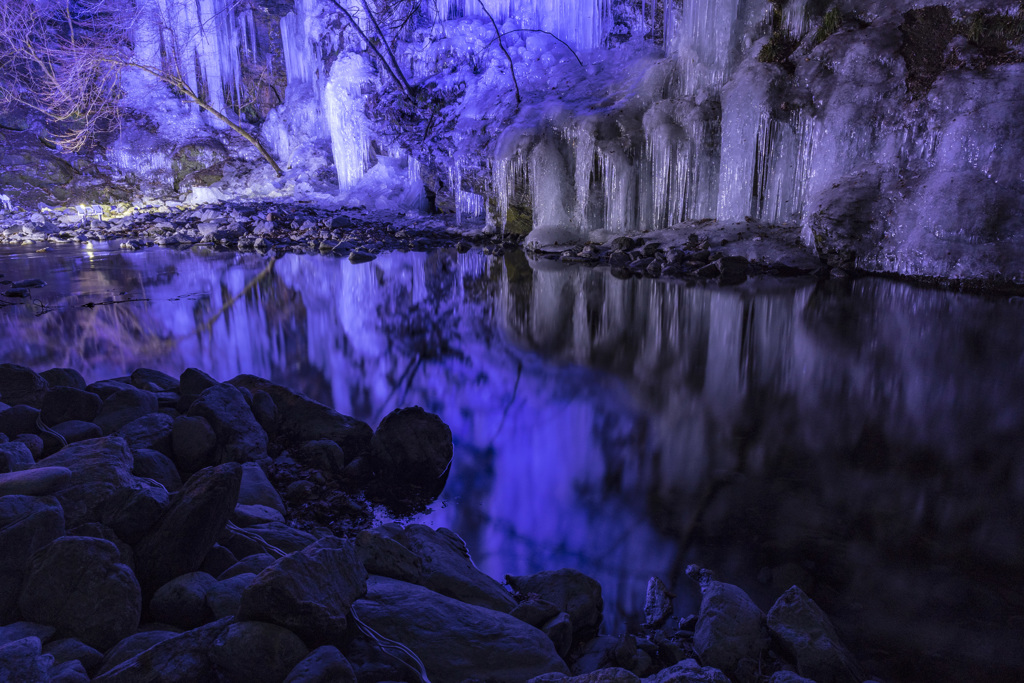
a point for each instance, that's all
(346, 120)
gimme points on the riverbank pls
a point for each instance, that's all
(180, 525)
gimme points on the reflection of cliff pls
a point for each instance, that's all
(862, 439)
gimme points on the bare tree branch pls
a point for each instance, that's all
(501, 44)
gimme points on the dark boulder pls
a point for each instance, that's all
(68, 403)
(19, 419)
(444, 562)
(180, 540)
(181, 602)
(731, 634)
(124, 406)
(474, 643)
(107, 387)
(302, 419)
(23, 661)
(240, 438)
(71, 431)
(323, 454)
(308, 592)
(192, 383)
(183, 658)
(15, 456)
(325, 664)
(78, 585)
(413, 447)
(67, 649)
(153, 380)
(571, 592)
(256, 652)
(21, 386)
(41, 481)
(804, 633)
(151, 432)
(27, 523)
(156, 466)
(131, 646)
(194, 442)
(256, 489)
(63, 377)
(224, 599)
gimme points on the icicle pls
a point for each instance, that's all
(551, 188)
(509, 173)
(583, 23)
(346, 119)
(618, 184)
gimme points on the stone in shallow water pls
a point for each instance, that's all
(412, 446)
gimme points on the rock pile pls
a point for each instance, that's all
(144, 537)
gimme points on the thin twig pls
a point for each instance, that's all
(383, 60)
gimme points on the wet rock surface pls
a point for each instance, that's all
(107, 574)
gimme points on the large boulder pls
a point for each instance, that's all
(63, 377)
(23, 661)
(309, 591)
(572, 592)
(731, 634)
(224, 598)
(27, 523)
(325, 664)
(21, 386)
(183, 658)
(152, 432)
(412, 447)
(180, 540)
(240, 438)
(256, 652)
(156, 466)
(101, 479)
(257, 490)
(302, 419)
(78, 585)
(131, 646)
(181, 602)
(194, 443)
(68, 403)
(153, 380)
(688, 671)
(804, 633)
(444, 564)
(454, 640)
(15, 456)
(124, 406)
(19, 419)
(40, 481)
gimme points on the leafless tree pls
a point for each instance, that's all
(66, 58)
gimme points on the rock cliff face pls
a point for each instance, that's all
(888, 135)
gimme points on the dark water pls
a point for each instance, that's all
(864, 440)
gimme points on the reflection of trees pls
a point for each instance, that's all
(861, 439)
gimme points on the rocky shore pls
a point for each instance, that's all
(155, 528)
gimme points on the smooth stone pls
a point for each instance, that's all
(144, 378)
(35, 482)
(34, 443)
(240, 438)
(150, 432)
(302, 419)
(180, 540)
(25, 629)
(68, 403)
(194, 442)
(191, 384)
(444, 561)
(14, 457)
(73, 431)
(63, 377)
(309, 591)
(257, 652)
(256, 489)
(20, 385)
(571, 592)
(131, 646)
(807, 637)
(19, 419)
(218, 560)
(474, 643)
(325, 664)
(156, 466)
(125, 406)
(181, 601)
(730, 634)
(79, 585)
(413, 447)
(23, 661)
(27, 523)
(67, 649)
(224, 599)
(182, 658)
(108, 387)
(253, 564)
(251, 515)
(101, 472)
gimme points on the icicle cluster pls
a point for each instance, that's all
(583, 24)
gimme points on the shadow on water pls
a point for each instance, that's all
(861, 439)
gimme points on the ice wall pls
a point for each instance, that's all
(582, 23)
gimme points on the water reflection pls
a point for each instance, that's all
(861, 439)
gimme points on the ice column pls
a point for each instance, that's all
(346, 119)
